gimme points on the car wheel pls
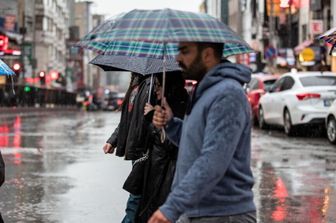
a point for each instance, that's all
(331, 130)
(288, 126)
(261, 119)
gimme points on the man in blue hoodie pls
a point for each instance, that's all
(213, 179)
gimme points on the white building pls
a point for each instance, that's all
(84, 20)
(213, 8)
(51, 32)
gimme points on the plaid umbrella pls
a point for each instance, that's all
(4, 69)
(141, 65)
(151, 49)
(160, 28)
(329, 37)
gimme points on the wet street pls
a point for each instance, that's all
(57, 172)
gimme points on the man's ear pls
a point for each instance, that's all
(207, 55)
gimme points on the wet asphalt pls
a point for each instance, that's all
(56, 171)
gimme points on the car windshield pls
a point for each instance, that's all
(269, 84)
(318, 81)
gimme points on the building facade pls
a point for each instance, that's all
(217, 9)
(51, 32)
(26, 22)
(282, 32)
(10, 36)
(84, 21)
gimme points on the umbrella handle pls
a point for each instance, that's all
(162, 132)
(164, 72)
(150, 88)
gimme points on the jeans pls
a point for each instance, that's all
(240, 218)
(131, 208)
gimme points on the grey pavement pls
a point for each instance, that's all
(57, 171)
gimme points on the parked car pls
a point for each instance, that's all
(331, 123)
(84, 99)
(298, 98)
(112, 100)
(258, 86)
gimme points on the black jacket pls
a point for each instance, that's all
(161, 163)
(130, 135)
(159, 175)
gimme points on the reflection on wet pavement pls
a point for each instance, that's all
(57, 172)
(296, 178)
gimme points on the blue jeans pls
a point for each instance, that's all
(131, 208)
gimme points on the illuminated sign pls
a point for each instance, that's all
(316, 27)
(3, 43)
(284, 4)
(307, 54)
(4, 50)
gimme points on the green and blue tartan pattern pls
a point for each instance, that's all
(152, 28)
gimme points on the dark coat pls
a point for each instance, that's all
(137, 137)
(130, 136)
(159, 175)
(161, 163)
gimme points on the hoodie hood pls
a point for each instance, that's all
(224, 70)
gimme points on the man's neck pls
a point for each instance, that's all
(212, 65)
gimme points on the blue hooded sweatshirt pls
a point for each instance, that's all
(213, 175)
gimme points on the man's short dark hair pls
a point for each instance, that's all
(217, 47)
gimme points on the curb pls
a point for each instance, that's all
(26, 111)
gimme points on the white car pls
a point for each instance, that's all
(331, 123)
(298, 98)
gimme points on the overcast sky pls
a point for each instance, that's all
(113, 7)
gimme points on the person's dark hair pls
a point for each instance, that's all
(174, 80)
(175, 92)
(136, 79)
(217, 47)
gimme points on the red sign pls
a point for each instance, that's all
(9, 23)
(3, 43)
(316, 27)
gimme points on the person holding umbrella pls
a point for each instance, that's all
(162, 155)
(129, 141)
(213, 180)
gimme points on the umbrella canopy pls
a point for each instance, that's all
(141, 65)
(329, 36)
(160, 27)
(4, 69)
